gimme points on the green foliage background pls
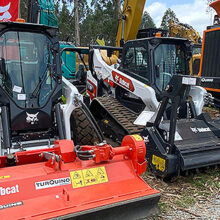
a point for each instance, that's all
(101, 17)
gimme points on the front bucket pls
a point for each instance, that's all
(80, 190)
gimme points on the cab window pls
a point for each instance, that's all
(136, 63)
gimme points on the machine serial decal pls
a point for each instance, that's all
(11, 205)
(9, 190)
(4, 177)
(52, 183)
(123, 81)
(87, 177)
(200, 130)
(32, 118)
(159, 163)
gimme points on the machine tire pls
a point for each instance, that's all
(82, 131)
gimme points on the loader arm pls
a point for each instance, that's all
(110, 74)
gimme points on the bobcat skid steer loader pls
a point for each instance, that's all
(43, 173)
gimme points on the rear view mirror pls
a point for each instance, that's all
(2, 66)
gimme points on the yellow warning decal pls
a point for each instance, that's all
(159, 163)
(88, 177)
(137, 137)
(5, 177)
(67, 52)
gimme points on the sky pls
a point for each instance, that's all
(192, 12)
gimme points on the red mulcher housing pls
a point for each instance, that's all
(87, 182)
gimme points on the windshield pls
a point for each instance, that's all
(169, 59)
(29, 65)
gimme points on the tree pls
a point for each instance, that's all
(23, 9)
(65, 24)
(117, 9)
(147, 21)
(167, 17)
(101, 20)
(76, 13)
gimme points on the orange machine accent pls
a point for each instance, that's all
(216, 6)
(71, 181)
(20, 20)
(212, 90)
(158, 34)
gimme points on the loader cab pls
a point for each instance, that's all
(154, 61)
(30, 80)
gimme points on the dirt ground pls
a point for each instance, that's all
(196, 196)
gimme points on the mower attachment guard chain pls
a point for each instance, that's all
(181, 144)
(55, 183)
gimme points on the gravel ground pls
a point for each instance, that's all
(196, 196)
(204, 210)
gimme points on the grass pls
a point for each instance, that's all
(186, 201)
(163, 207)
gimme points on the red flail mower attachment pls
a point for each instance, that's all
(77, 182)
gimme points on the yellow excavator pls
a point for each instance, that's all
(130, 21)
(188, 32)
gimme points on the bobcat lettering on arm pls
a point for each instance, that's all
(32, 118)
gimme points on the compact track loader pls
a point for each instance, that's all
(126, 96)
(43, 173)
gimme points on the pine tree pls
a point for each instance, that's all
(167, 17)
(147, 21)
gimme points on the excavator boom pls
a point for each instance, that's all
(130, 20)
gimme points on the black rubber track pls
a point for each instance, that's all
(125, 117)
(82, 131)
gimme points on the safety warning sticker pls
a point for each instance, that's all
(159, 162)
(4, 177)
(137, 137)
(87, 177)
